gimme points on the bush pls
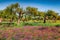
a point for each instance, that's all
(58, 25)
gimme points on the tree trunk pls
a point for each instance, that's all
(44, 20)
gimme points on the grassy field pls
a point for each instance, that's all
(32, 23)
(38, 23)
(35, 23)
(30, 30)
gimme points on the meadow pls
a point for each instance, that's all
(17, 23)
(30, 30)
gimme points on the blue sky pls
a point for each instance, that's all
(42, 5)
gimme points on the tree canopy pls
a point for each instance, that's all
(11, 11)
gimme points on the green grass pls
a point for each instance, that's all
(32, 23)
(37, 24)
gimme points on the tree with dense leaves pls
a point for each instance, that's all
(52, 15)
(11, 11)
(41, 14)
(33, 11)
(58, 17)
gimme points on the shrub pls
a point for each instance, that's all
(58, 25)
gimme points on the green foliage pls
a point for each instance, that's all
(58, 25)
(51, 14)
(40, 23)
(58, 17)
(14, 12)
